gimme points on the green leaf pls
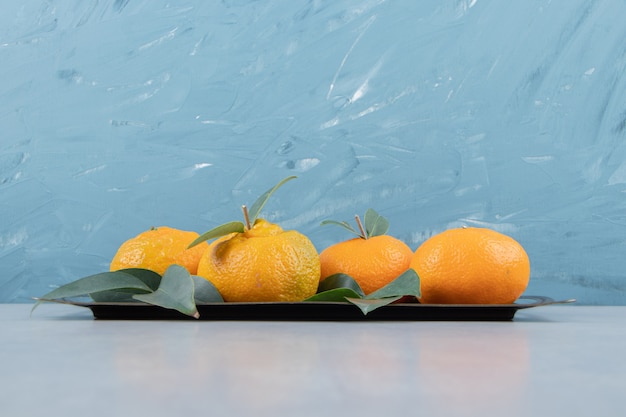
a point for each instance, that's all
(369, 305)
(345, 225)
(341, 285)
(408, 283)
(205, 291)
(176, 292)
(113, 296)
(219, 231)
(336, 294)
(340, 281)
(91, 284)
(375, 224)
(117, 280)
(148, 277)
(258, 205)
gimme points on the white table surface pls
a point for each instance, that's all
(550, 361)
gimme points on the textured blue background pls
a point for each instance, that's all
(116, 116)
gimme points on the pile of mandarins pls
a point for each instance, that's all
(263, 262)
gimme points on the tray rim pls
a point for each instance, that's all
(316, 311)
(539, 301)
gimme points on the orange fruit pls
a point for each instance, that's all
(263, 263)
(471, 266)
(159, 248)
(373, 262)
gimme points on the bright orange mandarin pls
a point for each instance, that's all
(372, 262)
(471, 266)
(263, 263)
(159, 248)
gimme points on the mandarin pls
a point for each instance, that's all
(157, 249)
(471, 266)
(262, 263)
(373, 262)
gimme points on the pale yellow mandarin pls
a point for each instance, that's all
(264, 263)
(159, 248)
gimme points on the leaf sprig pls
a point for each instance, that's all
(342, 287)
(249, 215)
(373, 225)
(178, 290)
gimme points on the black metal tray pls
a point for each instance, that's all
(319, 311)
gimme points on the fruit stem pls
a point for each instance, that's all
(358, 223)
(246, 216)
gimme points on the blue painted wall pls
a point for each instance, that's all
(116, 116)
